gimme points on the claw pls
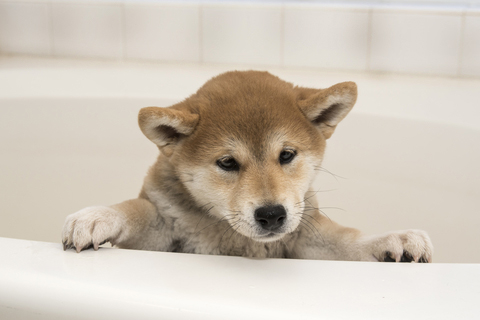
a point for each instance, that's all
(406, 257)
(388, 257)
(423, 260)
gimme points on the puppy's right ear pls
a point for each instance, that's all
(166, 126)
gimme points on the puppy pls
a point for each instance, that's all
(236, 162)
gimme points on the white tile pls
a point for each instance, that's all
(326, 37)
(87, 30)
(25, 28)
(471, 46)
(247, 34)
(163, 32)
(415, 42)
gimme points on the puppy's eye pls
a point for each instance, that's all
(228, 164)
(286, 156)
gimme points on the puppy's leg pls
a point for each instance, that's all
(121, 224)
(329, 240)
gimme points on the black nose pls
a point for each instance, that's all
(270, 217)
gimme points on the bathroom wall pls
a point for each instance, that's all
(429, 39)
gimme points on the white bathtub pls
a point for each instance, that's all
(408, 155)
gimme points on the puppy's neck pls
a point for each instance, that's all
(163, 187)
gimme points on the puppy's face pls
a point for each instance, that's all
(254, 178)
(247, 146)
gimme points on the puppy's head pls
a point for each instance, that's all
(248, 143)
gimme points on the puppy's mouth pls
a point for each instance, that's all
(268, 237)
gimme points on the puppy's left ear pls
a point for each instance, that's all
(325, 108)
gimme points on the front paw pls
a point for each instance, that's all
(91, 227)
(402, 246)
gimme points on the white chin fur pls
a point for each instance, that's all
(253, 233)
(271, 238)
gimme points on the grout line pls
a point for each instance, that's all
(369, 39)
(282, 36)
(200, 33)
(50, 21)
(124, 33)
(461, 44)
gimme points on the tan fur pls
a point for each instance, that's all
(190, 204)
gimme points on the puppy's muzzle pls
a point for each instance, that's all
(271, 218)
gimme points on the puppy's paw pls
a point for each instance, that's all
(91, 227)
(402, 246)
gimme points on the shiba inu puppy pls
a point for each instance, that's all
(236, 161)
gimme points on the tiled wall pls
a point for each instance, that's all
(433, 40)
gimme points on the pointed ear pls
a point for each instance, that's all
(166, 126)
(325, 108)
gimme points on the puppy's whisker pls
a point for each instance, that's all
(203, 215)
(302, 216)
(322, 212)
(309, 207)
(310, 226)
(204, 205)
(320, 168)
(337, 208)
(307, 215)
(320, 190)
(309, 210)
(314, 194)
(319, 209)
(231, 225)
(235, 231)
(217, 222)
(309, 203)
(307, 227)
(309, 223)
(287, 249)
